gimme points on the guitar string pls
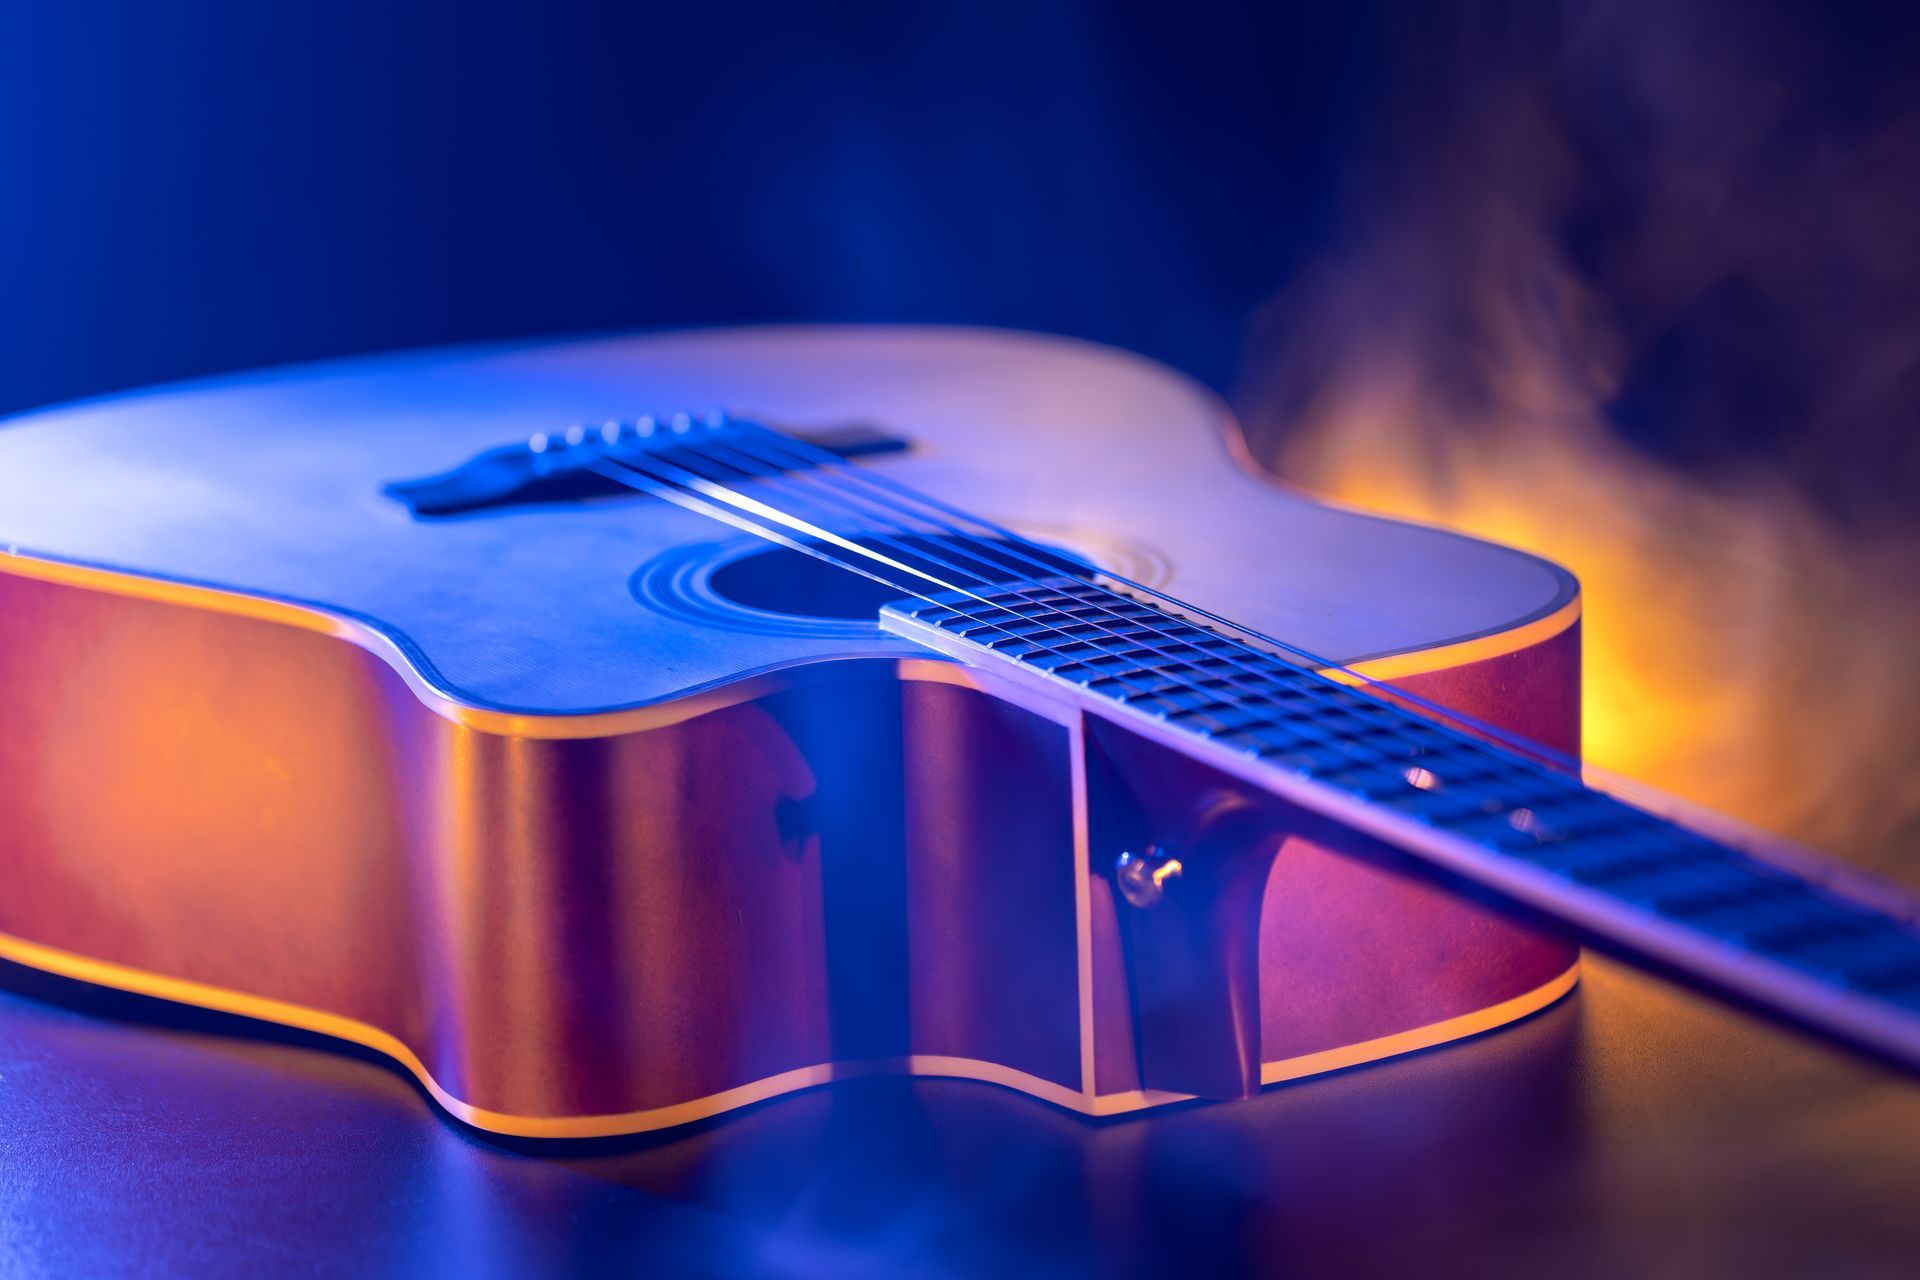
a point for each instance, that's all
(1012, 543)
(1778, 913)
(1050, 568)
(674, 489)
(625, 473)
(1530, 752)
(659, 472)
(1264, 705)
(1255, 681)
(824, 460)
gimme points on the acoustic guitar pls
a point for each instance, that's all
(616, 732)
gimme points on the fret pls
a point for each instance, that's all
(1195, 680)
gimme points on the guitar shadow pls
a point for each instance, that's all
(1372, 1167)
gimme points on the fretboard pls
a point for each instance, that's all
(1845, 961)
(1487, 813)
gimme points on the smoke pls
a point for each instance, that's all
(1637, 287)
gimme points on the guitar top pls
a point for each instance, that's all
(274, 485)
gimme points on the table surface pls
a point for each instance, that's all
(1629, 1129)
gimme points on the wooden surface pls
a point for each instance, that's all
(1629, 1130)
(270, 484)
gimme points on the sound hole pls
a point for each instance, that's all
(784, 581)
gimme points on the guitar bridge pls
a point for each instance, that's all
(562, 467)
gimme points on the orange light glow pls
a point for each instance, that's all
(1738, 651)
(1634, 292)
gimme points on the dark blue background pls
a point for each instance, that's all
(212, 186)
(196, 187)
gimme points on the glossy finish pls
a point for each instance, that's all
(875, 868)
(271, 485)
(447, 789)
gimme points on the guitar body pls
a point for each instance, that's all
(599, 817)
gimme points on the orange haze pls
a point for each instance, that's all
(1621, 285)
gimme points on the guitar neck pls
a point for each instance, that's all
(1616, 874)
(1806, 947)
